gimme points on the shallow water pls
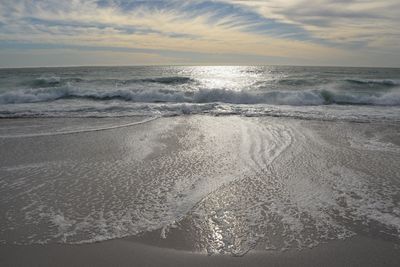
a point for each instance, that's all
(241, 158)
(234, 183)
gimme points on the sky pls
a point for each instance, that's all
(218, 32)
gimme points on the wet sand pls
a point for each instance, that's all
(353, 252)
(199, 191)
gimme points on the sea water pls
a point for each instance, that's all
(329, 93)
(242, 158)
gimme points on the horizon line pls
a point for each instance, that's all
(198, 65)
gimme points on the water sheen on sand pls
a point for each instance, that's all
(233, 183)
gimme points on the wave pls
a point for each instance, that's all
(51, 81)
(168, 80)
(299, 81)
(297, 98)
(384, 82)
(151, 95)
(54, 81)
(307, 81)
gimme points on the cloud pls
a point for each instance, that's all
(366, 23)
(298, 30)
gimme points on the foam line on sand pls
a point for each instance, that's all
(82, 130)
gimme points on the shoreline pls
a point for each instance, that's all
(356, 251)
(218, 186)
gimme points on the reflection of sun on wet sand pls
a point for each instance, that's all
(173, 190)
(356, 251)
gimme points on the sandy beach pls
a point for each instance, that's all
(199, 133)
(199, 190)
(353, 252)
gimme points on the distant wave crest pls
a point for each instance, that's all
(51, 81)
(168, 80)
(54, 81)
(385, 82)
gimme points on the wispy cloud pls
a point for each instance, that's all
(313, 32)
(352, 22)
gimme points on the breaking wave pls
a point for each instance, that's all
(151, 95)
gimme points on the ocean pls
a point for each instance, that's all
(216, 160)
(326, 93)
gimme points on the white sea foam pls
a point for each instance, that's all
(151, 95)
(85, 130)
(109, 92)
(239, 181)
